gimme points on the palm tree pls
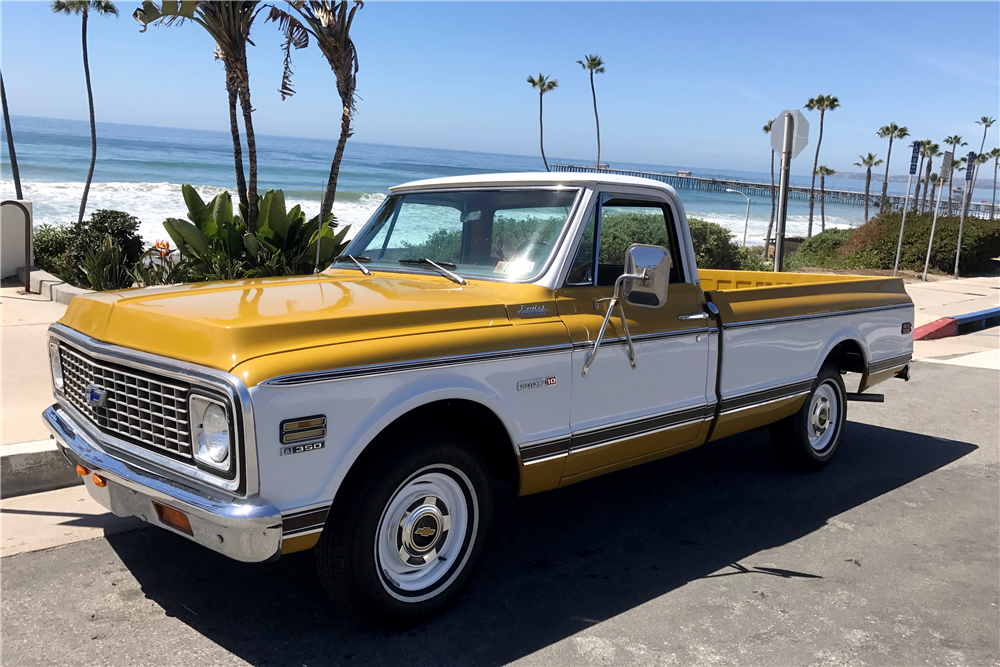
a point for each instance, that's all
(823, 172)
(14, 171)
(890, 132)
(931, 150)
(596, 66)
(986, 122)
(867, 163)
(770, 224)
(995, 154)
(543, 85)
(955, 142)
(956, 166)
(229, 24)
(821, 103)
(82, 8)
(329, 24)
(934, 178)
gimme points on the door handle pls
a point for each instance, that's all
(694, 316)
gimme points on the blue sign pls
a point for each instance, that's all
(970, 167)
(916, 156)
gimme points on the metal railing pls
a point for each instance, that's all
(27, 241)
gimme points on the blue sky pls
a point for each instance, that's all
(686, 83)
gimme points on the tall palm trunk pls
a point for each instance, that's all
(15, 172)
(993, 209)
(975, 172)
(541, 132)
(885, 182)
(597, 120)
(93, 122)
(927, 183)
(822, 202)
(812, 187)
(345, 134)
(868, 184)
(243, 82)
(933, 192)
(770, 224)
(234, 128)
(950, 179)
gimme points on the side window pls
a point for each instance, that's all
(625, 222)
(582, 271)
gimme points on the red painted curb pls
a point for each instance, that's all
(946, 326)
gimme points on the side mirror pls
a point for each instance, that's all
(652, 262)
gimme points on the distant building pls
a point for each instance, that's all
(683, 173)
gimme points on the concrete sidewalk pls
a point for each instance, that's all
(950, 298)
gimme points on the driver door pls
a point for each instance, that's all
(621, 416)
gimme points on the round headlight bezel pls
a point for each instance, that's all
(55, 365)
(211, 444)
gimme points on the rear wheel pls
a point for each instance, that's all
(405, 540)
(809, 439)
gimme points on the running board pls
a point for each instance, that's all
(866, 398)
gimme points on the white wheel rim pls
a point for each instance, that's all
(426, 533)
(824, 416)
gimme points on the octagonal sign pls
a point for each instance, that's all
(799, 139)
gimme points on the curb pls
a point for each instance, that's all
(51, 287)
(958, 325)
(33, 467)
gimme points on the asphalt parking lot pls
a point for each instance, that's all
(890, 556)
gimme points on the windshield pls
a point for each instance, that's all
(485, 233)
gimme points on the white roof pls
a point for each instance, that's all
(529, 178)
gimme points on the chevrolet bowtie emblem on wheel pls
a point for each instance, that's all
(425, 531)
(96, 396)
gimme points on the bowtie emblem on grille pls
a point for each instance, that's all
(96, 396)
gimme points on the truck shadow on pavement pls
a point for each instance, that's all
(558, 562)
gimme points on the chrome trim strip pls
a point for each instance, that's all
(614, 433)
(295, 379)
(813, 316)
(246, 475)
(757, 405)
(249, 531)
(649, 337)
(891, 362)
(764, 396)
(545, 458)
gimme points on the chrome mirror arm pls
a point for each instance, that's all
(616, 302)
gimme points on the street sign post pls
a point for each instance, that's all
(789, 135)
(945, 173)
(906, 203)
(971, 162)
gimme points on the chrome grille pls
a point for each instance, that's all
(144, 409)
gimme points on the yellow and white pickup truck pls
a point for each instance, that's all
(531, 329)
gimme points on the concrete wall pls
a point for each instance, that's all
(12, 239)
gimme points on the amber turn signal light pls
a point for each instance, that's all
(83, 472)
(173, 518)
(100, 481)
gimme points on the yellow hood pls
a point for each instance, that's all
(222, 324)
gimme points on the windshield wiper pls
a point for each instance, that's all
(423, 261)
(356, 260)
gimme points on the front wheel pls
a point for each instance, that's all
(809, 439)
(404, 544)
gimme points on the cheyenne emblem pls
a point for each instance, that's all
(96, 396)
(425, 531)
(537, 383)
(533, 311)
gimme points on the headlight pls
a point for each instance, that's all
(56, 363)
(210, 439)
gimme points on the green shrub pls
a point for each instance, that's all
(714, 247)
(50, 243)
(105, 268)
(752, 259)
(873, 245)
(160, 267)
(88, 238)
(822, 250)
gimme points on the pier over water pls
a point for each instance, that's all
(688, 182)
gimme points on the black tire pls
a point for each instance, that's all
(791, 436)
(350, 559)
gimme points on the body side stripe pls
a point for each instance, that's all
(799, 318)
(891, 362)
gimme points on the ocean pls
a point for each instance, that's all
(140, 170)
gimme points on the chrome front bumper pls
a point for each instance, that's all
(243, 530)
